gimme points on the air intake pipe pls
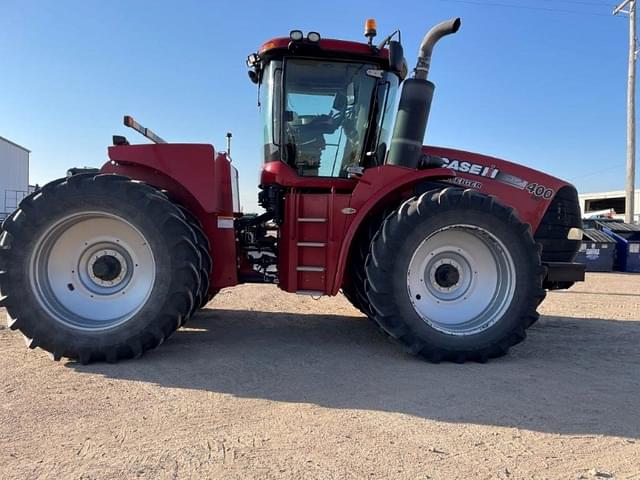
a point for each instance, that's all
(415, 102)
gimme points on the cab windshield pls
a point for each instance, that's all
(317, 114)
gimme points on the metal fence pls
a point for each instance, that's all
(12, 199)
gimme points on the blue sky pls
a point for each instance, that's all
(546, 88)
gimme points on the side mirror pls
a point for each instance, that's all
(396, 57)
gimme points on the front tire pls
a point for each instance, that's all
(98, 267)
(454, 275)
(355, 289)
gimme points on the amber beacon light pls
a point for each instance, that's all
(370, 29)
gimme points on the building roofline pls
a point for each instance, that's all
(616, 193)
(15, 144)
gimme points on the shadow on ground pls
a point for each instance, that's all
(571, 376)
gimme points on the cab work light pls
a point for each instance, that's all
(296, 35)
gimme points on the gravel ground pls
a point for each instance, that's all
(266, 385)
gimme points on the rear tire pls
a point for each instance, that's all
(454, 275)
(98, 267)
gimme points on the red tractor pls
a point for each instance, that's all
(449, 252)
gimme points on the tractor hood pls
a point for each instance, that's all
(529, 191)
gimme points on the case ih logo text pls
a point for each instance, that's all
(472, 168)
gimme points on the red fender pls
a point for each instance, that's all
(378, 186)
(195, 167)
(529, 192)
(196, 178)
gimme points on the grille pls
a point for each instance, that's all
(562, 214)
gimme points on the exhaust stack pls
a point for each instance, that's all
(429, 41)
(415, 102)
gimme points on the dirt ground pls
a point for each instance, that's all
(267, 385)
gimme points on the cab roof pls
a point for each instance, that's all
(327, 48)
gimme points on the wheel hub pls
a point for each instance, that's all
(92, 270)
(107, 268)
(447, 275)
(460, 279)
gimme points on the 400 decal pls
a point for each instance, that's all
(538, 190)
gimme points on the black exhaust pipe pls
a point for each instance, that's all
(415, 102)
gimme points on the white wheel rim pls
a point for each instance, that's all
(461, 280)
(92, 271)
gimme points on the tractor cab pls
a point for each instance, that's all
(328, 106)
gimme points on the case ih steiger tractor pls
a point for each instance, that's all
(449, 252)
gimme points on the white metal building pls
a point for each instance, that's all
(14, 175)
(596, 202)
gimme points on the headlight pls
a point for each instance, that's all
(296, 35)
(313, 37)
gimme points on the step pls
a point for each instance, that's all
(310, 269)
(312, 293)
(311, 220)
(312, 244)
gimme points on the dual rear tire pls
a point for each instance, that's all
(99, 267)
